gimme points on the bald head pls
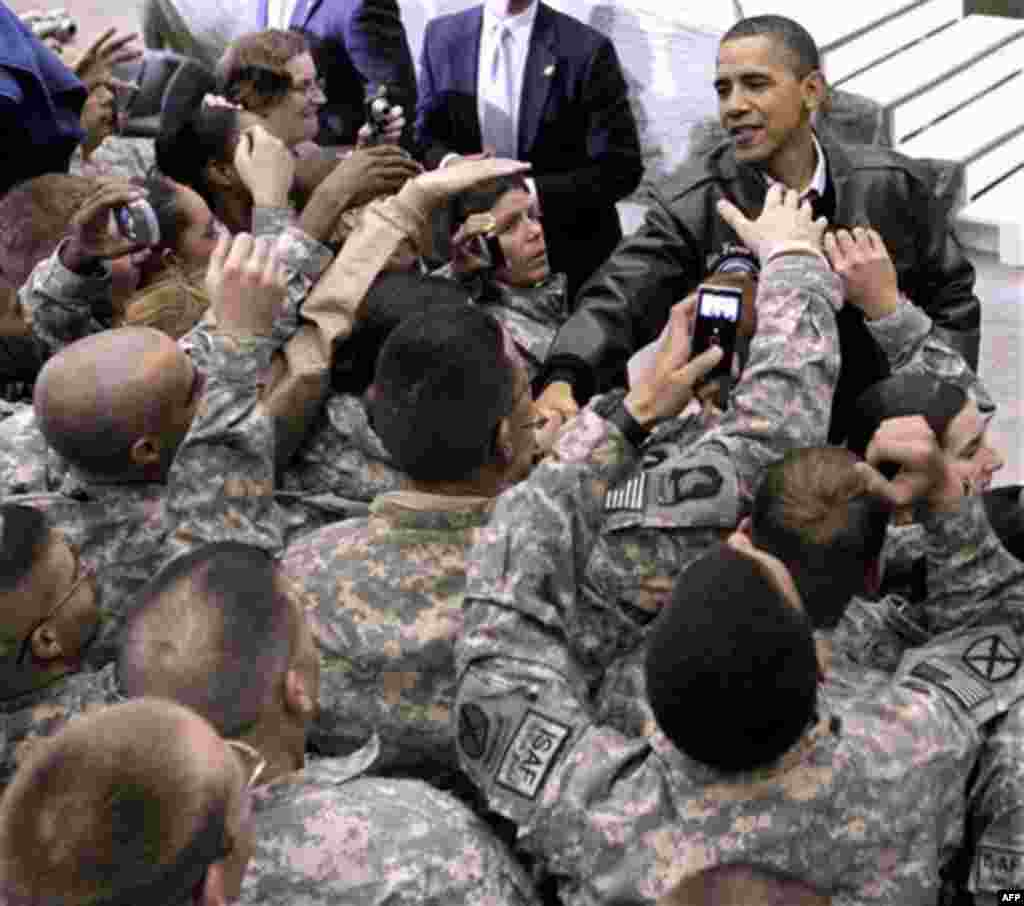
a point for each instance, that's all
(129, 804)
(214, 630)
(99, 396)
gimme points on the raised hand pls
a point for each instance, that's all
(266, 166)
(246, 283)
(862, 260)
(93, 235)
(784, 220)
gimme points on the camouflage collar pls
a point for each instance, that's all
(417, 511)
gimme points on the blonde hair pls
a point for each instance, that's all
(173, 305)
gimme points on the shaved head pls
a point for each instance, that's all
(129, 804)
(215, 630)
(98, 396)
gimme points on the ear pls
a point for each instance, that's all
(145, 451)
(298, 698)
(815, 90)
(46, 645)
(211, 890)
(505, 451)
(221, 175)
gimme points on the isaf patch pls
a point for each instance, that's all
(992, 659)
(531, 754)
(996, 868)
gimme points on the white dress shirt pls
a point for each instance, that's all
(819, 181)
(279, 13)
(520, 27)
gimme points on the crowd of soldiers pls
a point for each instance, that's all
(334, 569)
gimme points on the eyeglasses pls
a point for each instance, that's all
(252, 761)
(83, 576)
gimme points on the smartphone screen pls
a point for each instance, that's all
(718, 317)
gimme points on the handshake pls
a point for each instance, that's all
(53, 25)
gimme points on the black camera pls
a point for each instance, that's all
(137, 222)
(55, 23)
(378, 111)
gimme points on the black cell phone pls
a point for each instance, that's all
(137, 222)
(489, 249)
(718, 319)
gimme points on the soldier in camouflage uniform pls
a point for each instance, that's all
(868, 802)
(27, 464)
(220, 484)
(219, 630)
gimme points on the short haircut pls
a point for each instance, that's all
(34, 216)
(393, 297)
(743, 885)
(938, 401)
(116, 808)
(24, 534)
(214, 630)
(193, 134)
(801, 50)
(480, 201)
(443, 383)
(730, 644)
(253, 71)
(811, 511)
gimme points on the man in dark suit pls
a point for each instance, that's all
(358, 45)
(519, 78)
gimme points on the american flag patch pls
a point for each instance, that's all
(962, 686)
(628, 496)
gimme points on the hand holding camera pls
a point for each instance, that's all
(476, 246)
(116, 220)
(384, 121)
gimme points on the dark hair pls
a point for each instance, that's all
(903, 394)
(479, 201)
(24, 533)
(246, 643)
(1003, 507)
(443, 383)
(731, 666)
(393, 297)
(193, 135)
(166, 202)
(803, 53)
(811, 511)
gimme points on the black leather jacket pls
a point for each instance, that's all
(626, 303)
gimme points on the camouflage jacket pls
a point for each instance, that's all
(692, 486)
(384, 600)
(326, 834)
(27, 464)
(868, 806)
(220, 487)
(909, 343)
(25, 719)
(116, 157)
(531, 315)
(342, 456)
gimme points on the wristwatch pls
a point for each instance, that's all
(612, 408)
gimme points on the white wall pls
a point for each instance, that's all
(667, 49)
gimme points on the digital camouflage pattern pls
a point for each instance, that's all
(531, 315)
(327, 835)
(383, 598)
(342, 456)
(870, 805)
(26, 719)
(219, 488)
(27, 464)
(117, 157)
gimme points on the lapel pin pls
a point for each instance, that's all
(549, 70)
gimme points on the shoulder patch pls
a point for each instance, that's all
(474, 729)
(531, 754)
(630, 495)
(992, 659)
(970, 693)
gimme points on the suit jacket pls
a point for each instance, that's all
(357, 45)
(575, 126)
